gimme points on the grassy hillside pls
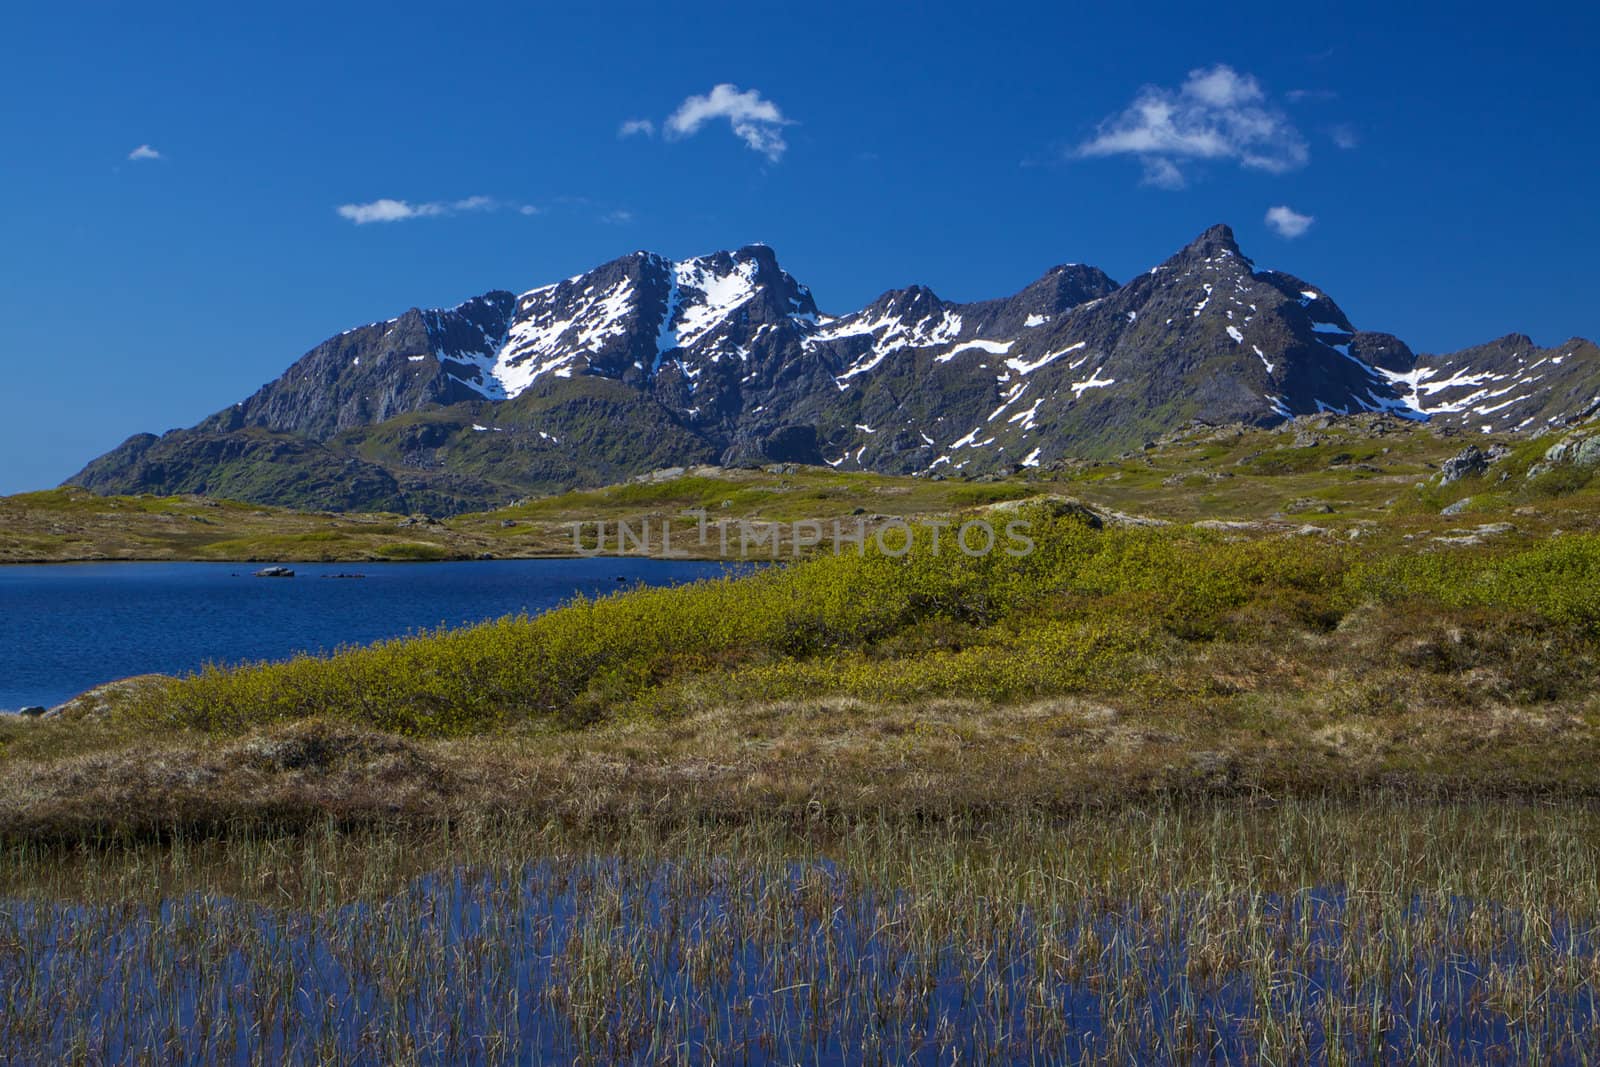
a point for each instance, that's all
(1263, 755)
(1240, 611)
(1111, 663)
(1370, 474)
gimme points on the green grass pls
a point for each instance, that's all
(1276, 789)
(414, 551)
(1087, 611)
(1378, 642)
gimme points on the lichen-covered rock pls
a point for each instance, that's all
(1470, 462)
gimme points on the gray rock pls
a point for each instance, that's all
(1577, 451)
(1056, 507)
(31, 712)
(1458, 507)
(1470, 462)
(274, 572)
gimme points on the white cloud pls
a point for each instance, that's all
(1217, 114)
(1162, 173)
(619, 217)
(1344, 135)
(756, 121)
(386, 209)
(1287, 222)
(637, 128)
(144, 151)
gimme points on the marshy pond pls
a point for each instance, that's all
(1303, 931)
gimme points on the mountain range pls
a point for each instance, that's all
(645, 362)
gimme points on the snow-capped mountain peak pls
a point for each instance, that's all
(647, 361)
(622, 318)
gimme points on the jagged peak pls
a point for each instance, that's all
(911, 296)
(1070, 284)
(1217, 238)
(1213, 244)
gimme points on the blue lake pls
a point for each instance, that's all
(67, 627)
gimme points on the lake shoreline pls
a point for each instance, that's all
(70, 627)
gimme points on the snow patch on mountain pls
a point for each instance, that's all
(718, 296)
(890, 333)
(996, 348)
(1024, 366)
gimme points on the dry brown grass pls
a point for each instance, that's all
(798, 760)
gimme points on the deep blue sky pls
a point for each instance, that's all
(1449, 161)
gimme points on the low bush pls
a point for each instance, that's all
(1109, 611)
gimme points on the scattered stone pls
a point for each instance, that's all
(1578, 451)
(1458, 507)
(1470, 462)
(1229, 524)
(506, 524)
(1582, 452)
(31, 712)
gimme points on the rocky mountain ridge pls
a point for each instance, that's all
(646, 362)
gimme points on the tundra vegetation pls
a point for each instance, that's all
(1218, 771)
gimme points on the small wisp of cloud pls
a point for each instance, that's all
(387, 209)
(755, 120)
(143, 152)
(1344, 136)
(1217, 114)
(636, 128)
(1288, 223)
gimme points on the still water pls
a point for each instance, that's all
(67, 627)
